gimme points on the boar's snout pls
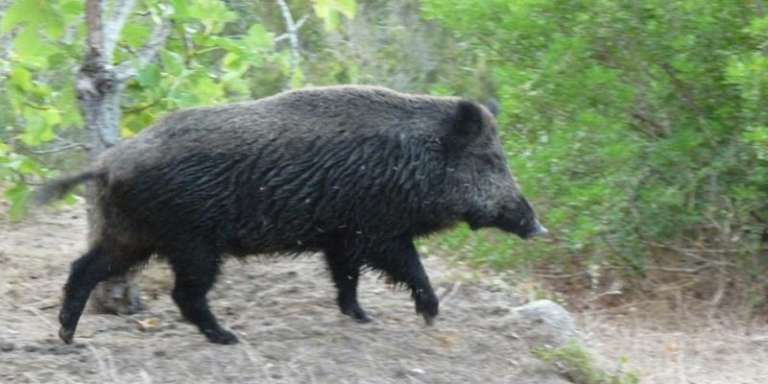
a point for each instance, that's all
(519, 218)
(536, 230)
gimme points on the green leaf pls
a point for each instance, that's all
(233, 62)
(149, 76)
(173, 63)
(135, 34)
(212, 13)
(227, 43)
(329, 11)
(182, 97)
(37, 130)
(66, 102)
(297, 80)
(18, 196)
(258, 38)
(58, 60)
(21, 78)
(32, 49)
(180, 9)
(34, 15)
(207, 89)
(73, 8)
(29, 166)
(51, 117)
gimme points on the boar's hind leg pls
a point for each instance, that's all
(400, 261)
(98, 264)
(196, 271)
(345, 272)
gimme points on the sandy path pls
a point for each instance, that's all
(283, 310)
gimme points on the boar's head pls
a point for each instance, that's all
(483, 189)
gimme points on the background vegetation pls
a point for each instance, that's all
(639, 129)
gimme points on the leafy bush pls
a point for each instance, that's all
(578, 365)
(632, 125)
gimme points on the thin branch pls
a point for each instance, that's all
(93, 12)
(685, 92)
(693, 270)
(760, 8)
(292, 34)
(115, 25)
(301, 22)
(658, 128)
(147, 53)
(6, 45)
(285, 36)
(140, 108)
(4, 4)
(62, 148)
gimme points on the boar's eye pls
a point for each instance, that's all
(491, 160)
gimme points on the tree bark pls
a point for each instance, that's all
(99, 86)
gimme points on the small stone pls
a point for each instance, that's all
(31, 348)
(7, 347)
(544, 323)
(149, 325)
(159, 353)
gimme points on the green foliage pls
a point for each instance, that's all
(630, 125)
(217, 52)
(331, 10)
(627, 123)
(578, 365)
(203, 62)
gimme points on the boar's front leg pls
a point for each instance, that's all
(345, 270)
(400, 261)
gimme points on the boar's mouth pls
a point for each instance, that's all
(518, 219)
(525, 228)
(535, 230)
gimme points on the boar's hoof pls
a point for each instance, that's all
(221, 336)
(357, 313)
(66, 335)
(427, 307)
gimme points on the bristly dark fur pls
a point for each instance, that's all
(355, 172)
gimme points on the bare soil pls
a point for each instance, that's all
(284, 313)
(697, 347)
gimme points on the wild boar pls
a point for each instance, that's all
(354, 172)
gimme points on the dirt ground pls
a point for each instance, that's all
(284, 313)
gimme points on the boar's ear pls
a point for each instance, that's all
(467, 124)
(493, 106)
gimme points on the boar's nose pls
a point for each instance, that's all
(537, 230)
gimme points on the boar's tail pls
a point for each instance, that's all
(56, 189)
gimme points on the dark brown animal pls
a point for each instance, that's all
(354, 172)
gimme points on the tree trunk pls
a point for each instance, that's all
(99, 90)
(99, 86)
